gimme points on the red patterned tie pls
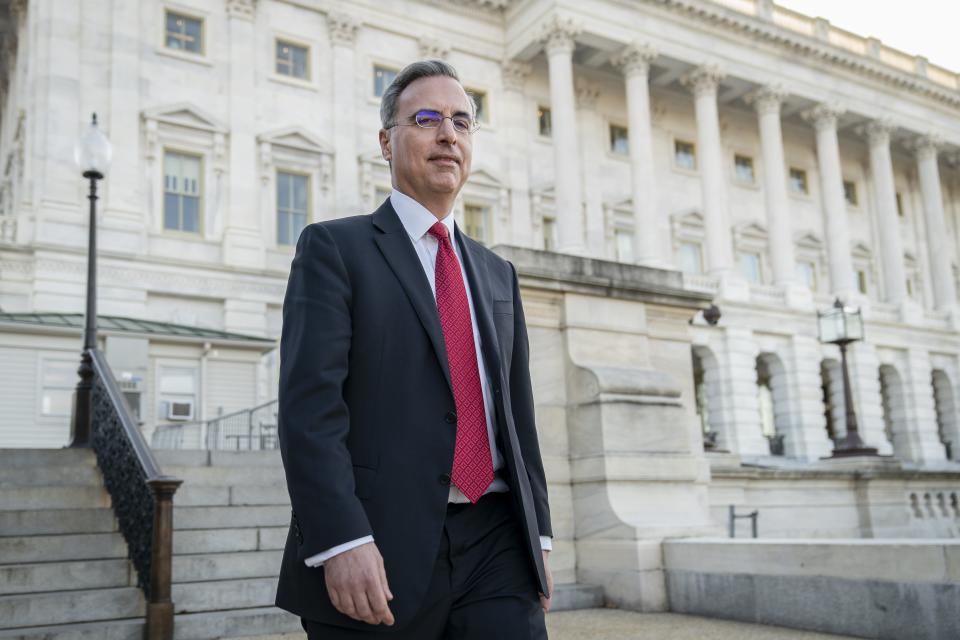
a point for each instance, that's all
(472, 464)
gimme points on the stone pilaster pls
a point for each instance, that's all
(346, 191)
(558, 40)
(836, 227)
(928, 170)
(922, 440)
(515, 140)
(703, 82)
(740, 419)
(807, 436)
(888, 221)
(867, 401)
(649, 239)
(593, 141)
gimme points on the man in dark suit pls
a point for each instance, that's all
(406, 414)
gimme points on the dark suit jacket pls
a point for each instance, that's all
(367, 414)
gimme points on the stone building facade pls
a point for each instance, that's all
(777, 161)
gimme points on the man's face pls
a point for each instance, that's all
(428, 164)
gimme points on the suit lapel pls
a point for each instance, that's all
(398, 251)
(476, 268)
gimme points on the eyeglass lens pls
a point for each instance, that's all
(433, 119)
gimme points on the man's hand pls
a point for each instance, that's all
(357, 584)
(544, 601)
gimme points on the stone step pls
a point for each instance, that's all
(55, 548)
(63, 607)
(27, 522)
(220, 595)
(230, 517)
(169, 458)
(65, 576)
(21, 498)
(573, 596)
(34, 458)
(129, 629)
(196, 541)
(241, 623)
(224, 566)
(61, 475)
(238, 495)
(227, 476)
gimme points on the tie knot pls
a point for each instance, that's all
(439, 231)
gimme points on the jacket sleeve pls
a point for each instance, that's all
(521, 396)
(314, 419)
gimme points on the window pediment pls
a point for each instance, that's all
(296, 138)
(184, 114)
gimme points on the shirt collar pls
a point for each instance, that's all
(416, 219)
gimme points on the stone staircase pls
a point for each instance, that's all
(64, 574)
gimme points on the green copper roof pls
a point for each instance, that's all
(126, 325)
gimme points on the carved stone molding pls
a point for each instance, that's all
(587, 94)
(703, 80)
(343, 28)
(635, 59)
(514, 74)
(877, 131)
(824, 116)
(558, 34)
(767, 99)
(433, 49)
(926, 145)
(244, 9)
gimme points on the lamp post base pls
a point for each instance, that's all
(850, 453)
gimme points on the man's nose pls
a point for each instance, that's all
(446, 132)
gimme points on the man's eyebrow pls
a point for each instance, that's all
(435, 110)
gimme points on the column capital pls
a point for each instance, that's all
(587, 94)
(635, 58)
(703, 80)
(767, 99)
(514, 74)
(343, 28)
(557, 35)
(877, 131)
(824, 115)
(926, 145)
(241, 9)
(431, 48)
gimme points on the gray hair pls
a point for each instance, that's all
(411, 73)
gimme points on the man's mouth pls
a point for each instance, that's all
(445, 160)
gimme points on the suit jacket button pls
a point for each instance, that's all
(451, 417)
(444, 479)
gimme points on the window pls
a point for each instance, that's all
(619, 140)
(549, 234)
(58, 378)
(684, 155)
(798, 181)
(850, 192)
(743, 169)
(862, 281)
(899, 204)
(807, 274)
(690, 258)
(177, 393)
(382, 77)
(292, 206)
(480, 100)
(184, 33)
(292, 60)
(750, 266)
(545, 123)
(475, 222)
(181, 192)
(624, 239)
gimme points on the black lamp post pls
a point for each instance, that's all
(92, 155)
(842, 325)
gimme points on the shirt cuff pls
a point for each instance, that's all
(320, 558)
(546, 543)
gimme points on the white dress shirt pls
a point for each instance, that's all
(417, 220)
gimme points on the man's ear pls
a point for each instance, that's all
(385, 149)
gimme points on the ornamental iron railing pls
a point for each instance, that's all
(245, 430)
(141, 495)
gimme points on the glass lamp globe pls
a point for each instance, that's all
(92, 152)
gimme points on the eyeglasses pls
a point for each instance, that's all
(426, 119)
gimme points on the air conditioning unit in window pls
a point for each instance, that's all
(182, 410)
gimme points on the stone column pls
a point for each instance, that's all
(944, 292)
(808, 438)
(703, 81)
(767, 101)
(824, 119)
(740, 422)
(923, 441)
(346, 191)
(888, 222)
(593, 148)
(559, 44)
(648, 241)
(867, 400)
(516, 161)
(243, 245)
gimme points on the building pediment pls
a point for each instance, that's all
(485, 177)
(184, 114)
(295, 138)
